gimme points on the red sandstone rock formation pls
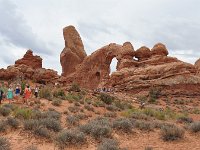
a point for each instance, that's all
(29, 67)
(73, 53)
(34, 62)
(136, 70)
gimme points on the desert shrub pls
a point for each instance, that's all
(56, 102)
(108, 144)
(195, 127)
(107, 99)
(14, 123)
(77, 104)
(88, 101)
(43, 132)
(122, 105)
(171, 133)
(59, 94)
(51, 114)
(4, 111)
(31, 147)
(3, 126)
(72, 120)
(99, 104)
(45, 93)
(89, 107)
(75, 87)
(139, 116)
(143, 125)
(4, 144)
(70, 137)
(74, 109)
(111, 108)
(98, 128)
(51, 124)
(10, 106)
(31, 124)
(23, 113)
(36, 114)
(110, 114)
(154, 93)
(123, 124)
(148, 148)
(184, 119)
(81, 116)
(71, 97)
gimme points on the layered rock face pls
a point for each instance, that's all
(73, 53)
(34, 62)
(29, 67)
(136, 70)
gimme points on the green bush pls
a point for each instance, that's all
(70, 137)
(4, 144)
(31, 124)
(4, 111)
(42, 131)
(3, 126)
(14, 123)
(98, 128)
(59, 94)
(72, 120)
(75, 87)
(51, 114)
(108, 144)
(107, 99)
(57, 102)
(154, 94)
(144, 125)
(51, 124)
(46, 93)
(32, 147)
(171, 133)
(23, 113)
(195, 127)
(123, 124)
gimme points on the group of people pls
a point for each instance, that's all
(11, 93)
(104, 89)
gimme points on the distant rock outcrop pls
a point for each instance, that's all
(73, 54)
(34, 62)
(29, 67)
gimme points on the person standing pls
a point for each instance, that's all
(17, 91)
(36, 91)
(1, 94)
(27, 93)
(10, 94)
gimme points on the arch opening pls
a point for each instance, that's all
(113, 66)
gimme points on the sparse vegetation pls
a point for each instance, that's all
(56, 102)
(109, 144)
(107, 99)
(171, 133)
(14, 123)
(123, 124)
(4, 144)
(195, 127)
(75, 87)
(46, 93)
(70, 137)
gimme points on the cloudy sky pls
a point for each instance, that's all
(38, 24)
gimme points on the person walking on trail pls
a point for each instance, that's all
(36, 91)
(27, 93)
(1, 94)
(10, 94)
(17, 91)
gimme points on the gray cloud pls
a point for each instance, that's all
(173, 22)
(15, 30)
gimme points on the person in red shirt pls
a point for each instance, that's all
(27, 93)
